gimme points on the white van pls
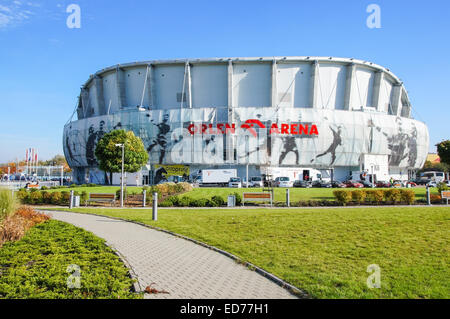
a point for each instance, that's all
(433, 176)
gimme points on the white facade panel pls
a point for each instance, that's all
(252, 85)
(293, 84)
(169, 81)
(134, 85)
(209, 85)
(92, 109)
(363, 88)
(385, 94)
(331, 89)
(110, 92)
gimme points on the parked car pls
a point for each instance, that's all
(256, 181)
(447, 182)
(383, 184)
(366, 184)
(353, 184)
(411, 184)
(431, 184)
(321, 184)
(398, 184)
(337, 184)
(235, 182)
(283, 182)
(302, 184)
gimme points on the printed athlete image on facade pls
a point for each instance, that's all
(340, 116)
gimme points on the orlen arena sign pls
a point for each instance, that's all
(306, 129)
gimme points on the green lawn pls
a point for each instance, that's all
(326, 251)
(35, 267)
(296, 194)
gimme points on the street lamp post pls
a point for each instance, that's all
(121, 177)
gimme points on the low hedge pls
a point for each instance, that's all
(375, 196)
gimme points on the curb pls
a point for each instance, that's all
(280, 282)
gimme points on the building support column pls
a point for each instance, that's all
(231, 118)
(351, 70)
(120, 86)
(314, 85)
(150, 85)
(396, 103)
(274, 84)
(189, 85)
(99, 98)
(378, 80)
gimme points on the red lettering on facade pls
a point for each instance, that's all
(303, 129)
(274, 129)
(314, 130)
(284, 128)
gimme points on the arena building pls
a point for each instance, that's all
(265, 115)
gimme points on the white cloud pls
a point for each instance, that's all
(13, 13)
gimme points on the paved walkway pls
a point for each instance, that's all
(178, 266)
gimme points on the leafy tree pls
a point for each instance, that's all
(110, 156)
(443, 149)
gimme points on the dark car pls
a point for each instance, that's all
(302, 184)
(366, 184)
(383, 184)
(321, 184)
(337, 184)
(353, 184)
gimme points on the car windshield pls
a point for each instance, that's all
(235, 179)
(256, 179)
(284, 179)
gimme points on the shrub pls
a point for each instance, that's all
(56, 198)
(46, 197)
(435, 198)
(36, 198)
(65, 198)
(407, 196)
(23, 195)
(84, 197)
(125, 194)
(392, 195)
(186, 187)
(7, 203)
(442, 187)
(238, 198)
(91, 185)
(166, 203)
(73, 185)
(342, 196)
(217, 201)
(43, 188)
(184, 201)
(358, 195)
(31, 215)
(201, 202)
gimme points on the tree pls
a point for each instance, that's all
(443, 149)
(110, 156)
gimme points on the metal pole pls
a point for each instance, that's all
(288, 201)
(62, 175)
(373, 179)
(155, 206)
(71, 200)
(144, 197)
(428, 195)
(247, 176)
(121, 179)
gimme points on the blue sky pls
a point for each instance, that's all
(43, 63)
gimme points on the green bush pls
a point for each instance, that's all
(342, 196)
(392, 195)
(407, 196)
(217, 201)
(35, 198)
(238, 198)
(7, 203)
(56, 198)
(46, 197)
(358, 195)
(201, 202)
(84, 197)
(184, 201)
(442, 187)
(23, 196)
(166, 203)
(43, 188)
